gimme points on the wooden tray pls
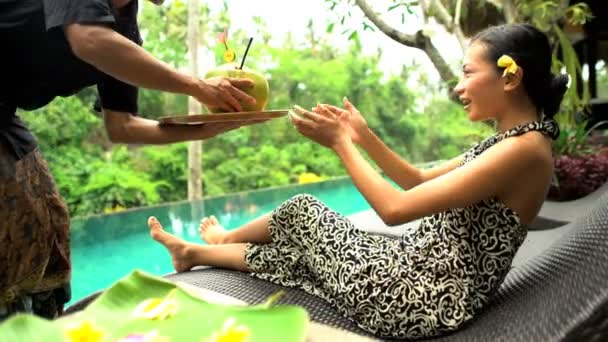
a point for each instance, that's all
(197, 119)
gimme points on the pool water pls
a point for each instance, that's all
(106, 248)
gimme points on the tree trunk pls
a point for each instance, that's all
(195, 189)
(510, 10)
(418, 40)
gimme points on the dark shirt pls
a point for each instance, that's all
(37, 63)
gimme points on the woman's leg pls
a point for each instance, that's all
(186, 255)
(255, 231)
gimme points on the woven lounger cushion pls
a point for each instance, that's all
(568, 210)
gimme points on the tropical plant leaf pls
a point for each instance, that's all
(195, 319)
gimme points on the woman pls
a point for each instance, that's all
(473, 210)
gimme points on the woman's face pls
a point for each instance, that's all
(481, 89)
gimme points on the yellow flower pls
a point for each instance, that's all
(83, 332)
(309, 177)
(157, 308)
(505, 61)
(160, 339)
(232, 333)
(229, 56)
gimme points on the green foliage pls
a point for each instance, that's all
(573, 140)
(548, 16)
(239, 160)
(66, 121)
(444, 131)
(163, 30)
(602, 80)
(167, 163)
(89, 179)
(71, 167)
(545, 13)
(114, 185)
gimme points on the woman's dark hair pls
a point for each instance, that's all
(530, 49)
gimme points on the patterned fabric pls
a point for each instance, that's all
(432, 280)
(34, 237)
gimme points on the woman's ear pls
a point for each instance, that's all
(513, 80)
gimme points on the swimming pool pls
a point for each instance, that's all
(105, 248)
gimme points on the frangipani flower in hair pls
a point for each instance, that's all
(505, 61)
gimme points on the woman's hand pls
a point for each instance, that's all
(224, 93)
(357, 125)
(322, 126)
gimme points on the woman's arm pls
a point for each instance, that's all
(395, 167)
(440, 170)
(398, 169)
(487, 176)
(492, 174)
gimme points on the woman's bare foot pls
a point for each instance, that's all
(176, 247)
(212, 231)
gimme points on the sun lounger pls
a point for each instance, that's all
(559, 294)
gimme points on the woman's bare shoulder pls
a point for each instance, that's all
(532, 146)
(525, 188)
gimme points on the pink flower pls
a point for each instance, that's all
(152, 336)
(222, 37)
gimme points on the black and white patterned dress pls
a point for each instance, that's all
(432, 280)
